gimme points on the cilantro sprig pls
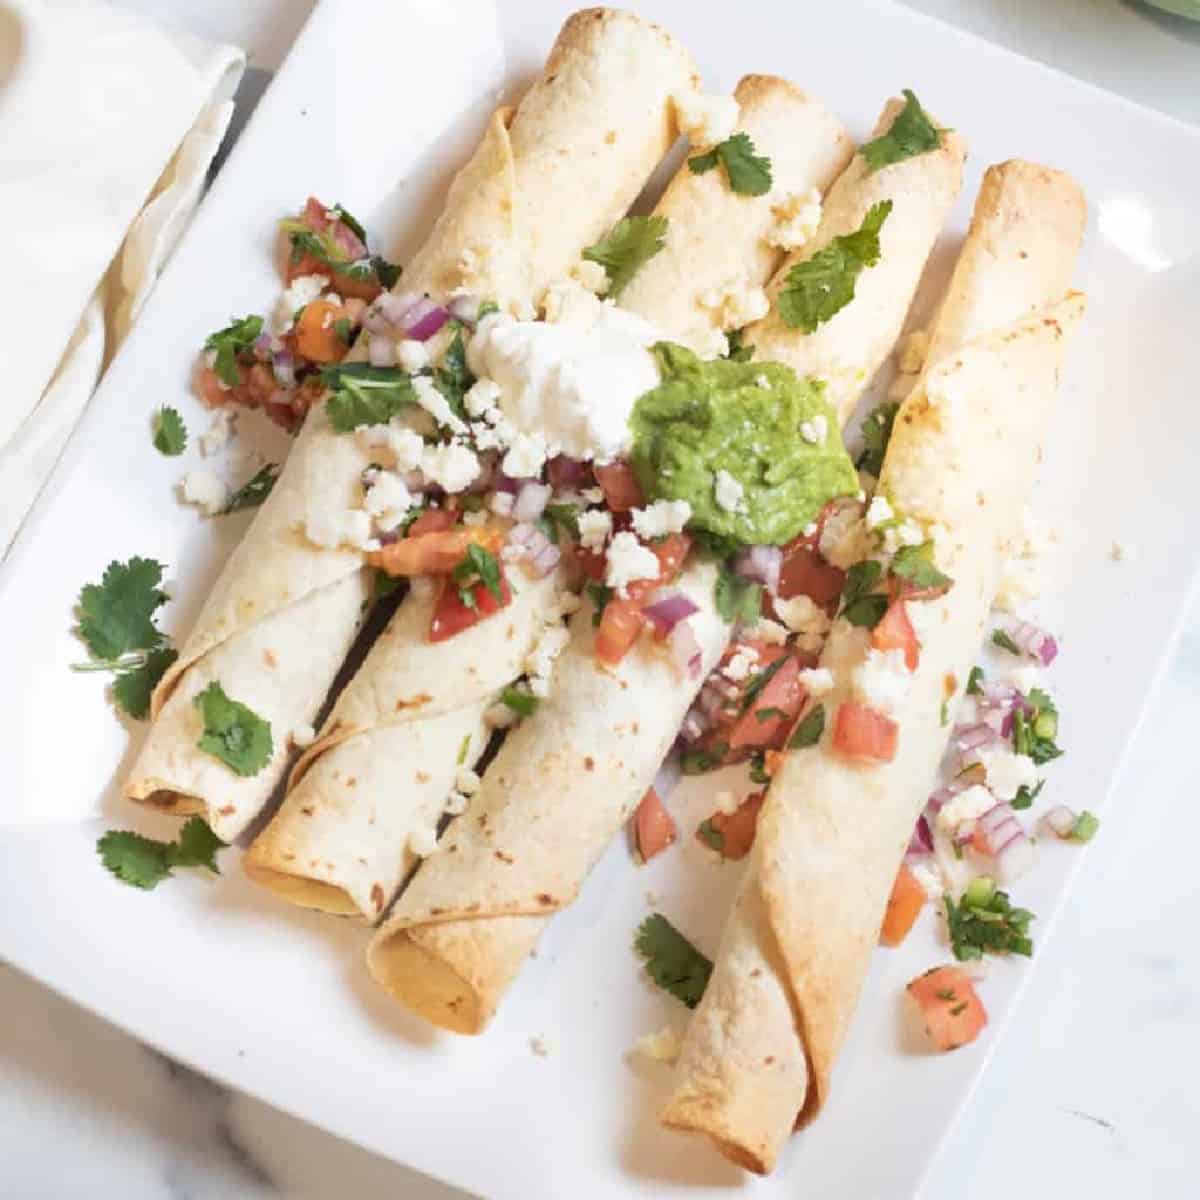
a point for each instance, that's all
(479, 566)
(1034, 733)
(238, 336)
(861, 604)
(912, 133)
(877, 432)
(365, 395)
(672, 962)
(699, 762)
(169, 433)
(749, 174)
(144, 862)
(255, 490)
(233, 733)
(984, 922)
(808, 732)
(631, 242)
(116, 623)
(453, 378)
(738, 599)
(915, 565)
(820, 287)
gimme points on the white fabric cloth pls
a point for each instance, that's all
(108, 124)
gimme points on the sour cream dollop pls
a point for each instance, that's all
(573, 381)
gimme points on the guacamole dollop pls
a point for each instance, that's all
(744, 418)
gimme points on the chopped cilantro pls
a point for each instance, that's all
(737, 350)
(228, 343)
(339, 213)
(233, 733)
(860, 605)
(974, 680)
(671, 960)
(711, 836)
(715, 545)
(143, 862)
(1002, 639)
(631, 242)
(134, 686)
(453, 378)
(365, 395)
(479, 566)
(486, 309)
(599, 594)
(770, 714)
(809, 731)
(519, 701)
(559, 519)
(698, 762)
(760, 681)
(877, 432)
(384, 585)
(387, 273)
(170, 433)
(758, 767)
(912, 133)
(255, 490)
(737, 599)
(749, 174)
(915, 564)
(984, 921)
(820, 287)
(1026, 796)
(344, 330)
(1085, 827)
(1034, 733)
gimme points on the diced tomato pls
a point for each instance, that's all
(315, 215)
(653, 826)
(805, 573)
(895, 632)
(904, 904)
(774, 710)
(950, 1006)
(433, 520)
(620, 625)
(861, 732)
(316, 338)
(434, 553)
(671, 552)
(620, 486)
(737, 829)
(451, 615)
(591, 563)
(305, 264)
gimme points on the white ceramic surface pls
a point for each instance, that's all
(299, 974)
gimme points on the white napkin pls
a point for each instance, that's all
(108, 125)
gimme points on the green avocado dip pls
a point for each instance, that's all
(744, 418)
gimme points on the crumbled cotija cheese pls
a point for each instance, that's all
(661, 518)
(629, 560)
(882, 680)
(203, 489)
(705, 120)
(797, 218)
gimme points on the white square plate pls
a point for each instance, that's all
(377, 103)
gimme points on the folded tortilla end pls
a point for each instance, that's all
(177, 804)
(696, 1115)
(301, 890)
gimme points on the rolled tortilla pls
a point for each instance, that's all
(449, 950)
(921, 190)
(796, 946)
(545, 182)
(414, 712)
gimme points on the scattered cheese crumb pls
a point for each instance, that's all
(843, 537)
(815, 431)
(704, 119)
(467, 781)
(797, 218)
(451, 465)
(594, 527)
(740, 664)
(435, 404)
(729, 492)
(304, 289)
(411, 355)
(203, 489)
(539, 663)
(737, 303)
(499, 716)
(930, 879)
(483, 395)
(541, 1046)
(805, 618)
(629, 560)
(663, 1046)
(303, 735)
(526, 456)
(592, 275)
(966, 806)
(1007, 772)
(388, 499)
(215, 438)
(816, 681)
(661, 518)
(423, 842)
(882, 680)
(771, 632)
(456, 804)
(726, 802)
(407, 445)
(329, 530)
(879, 512)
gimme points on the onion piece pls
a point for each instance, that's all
(1060, 820)
(424, 319)
(568, 474)
(544, 560)
(283, 366)
(973, 737)
(694, 727)
(761, 564)
(381, 350)
(531, 501)
(921, 841)
(685, 649)
(388, 310)
(666, 609)
(1030, 639)
(466, 309)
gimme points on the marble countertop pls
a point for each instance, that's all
(1092, 1090)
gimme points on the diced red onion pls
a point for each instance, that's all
(1033, 641)
(487, 473)
(348, 241)
(522, 535)
(973, 737)
(465, 308)
(265, 344)
(1049, 651)
(531, 501)
(694, 726)
(283, 366)
(667, 609)
(996, 719)
(501, 503)
(566, 474)
(942, 796)
(994, 818)
(1060, 820)
(964, 831)
(388, 310)
(921, 841)
(1014, 859)
(762, 564)
(685, 649)
(996, 694)
(546, 559)
(424, 319)
(506, 483)
(381, 350)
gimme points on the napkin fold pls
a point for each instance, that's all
(108, 125)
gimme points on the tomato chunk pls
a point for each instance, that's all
(620, 625)
(733, 833)
(451, 615)
(433, 520)
(895, 632)
(670, 552)
(654, 827)
(805, 573)
(620, 486)
(861, 732)
(316, 338)
(953, 1012)
(774, 710)
(903, 906)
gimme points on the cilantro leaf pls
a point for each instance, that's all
(170, 433)
(716, 545)
(255, 490)
(1034, 733)
(1002, 639)
(809, 731)
(523, 703)
(1026, 796)
(737, 350)
(228, 343)
(984, 921)
(233, 733)
(344, 330)
(737, 599)
(860, 605)
(559, 519)
(749, 174)
(912, 133)
(387, 273)
(454, 377)
(627, 245)
(365, 395)
(671, 960)
(711, 836)
(599, 594)
(758, 768)
(877, 432)
(133, 688)
(974, 680)
(479, 566)
(760, 681)
(915, 564)
(144, 862)
(698, 762)
(820, 287)
(1085, 828)
(116, 616)
(339, 213)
